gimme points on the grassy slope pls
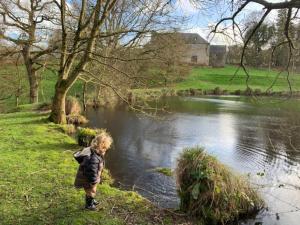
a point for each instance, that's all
(210, 78)
(37, 172)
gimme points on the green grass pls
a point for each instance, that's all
(209, 78)
(166, 171)
(37, 172)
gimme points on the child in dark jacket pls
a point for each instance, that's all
(91, 161)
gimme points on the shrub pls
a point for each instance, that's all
(209, 190)
(86, 135)
(72, 106)
(217, 91)
(237, 92)
(257, 91)
(248, 91)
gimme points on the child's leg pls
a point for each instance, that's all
(91, 191)
(90, 202)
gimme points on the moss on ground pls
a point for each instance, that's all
(37, 172)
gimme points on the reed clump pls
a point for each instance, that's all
(73, 106)
(86, 135)
(211, 191)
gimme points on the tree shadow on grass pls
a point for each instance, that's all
(62, 147)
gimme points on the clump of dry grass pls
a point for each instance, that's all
(211, 191)
(76, 119)
(73, 106)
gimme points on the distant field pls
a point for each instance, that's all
(210, 78)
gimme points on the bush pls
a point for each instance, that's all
(209, 190)
(237, 92)
(86, 135)
(72, 106)
(217, 91)
(257, 92)
(248, 91)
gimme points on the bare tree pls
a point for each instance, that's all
(236, 8)
(99, 39)
(24, 27)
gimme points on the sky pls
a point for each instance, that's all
(201, 21)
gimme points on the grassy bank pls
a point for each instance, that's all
(37, 172)
(210, 78)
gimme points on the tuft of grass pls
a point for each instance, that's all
(76, 119)
(211, 191)
(37, 173)
(166, 171)
(86, 135)
(73, 106)
(68, 128)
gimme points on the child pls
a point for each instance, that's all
(91, 161)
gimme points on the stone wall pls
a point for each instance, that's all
(217, 56)
(199, 53)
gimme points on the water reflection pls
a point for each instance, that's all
(248, 136)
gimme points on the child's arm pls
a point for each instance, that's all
(91, 167)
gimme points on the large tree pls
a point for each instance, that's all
(24, 28)
(87, 37)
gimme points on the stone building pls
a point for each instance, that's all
(197, 49)
(217, 55)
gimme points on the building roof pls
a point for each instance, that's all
(193, 38)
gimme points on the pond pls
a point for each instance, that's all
(256, 137)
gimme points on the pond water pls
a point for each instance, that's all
(249, 135)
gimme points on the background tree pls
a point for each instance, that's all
(25, 27)
(260, 41)
(235, 9)
(281, 53)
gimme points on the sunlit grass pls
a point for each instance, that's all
(37, 172)
(209, 78)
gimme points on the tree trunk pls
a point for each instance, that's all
(58, 114)
(84, 95)
(32, 75)
(34, 87)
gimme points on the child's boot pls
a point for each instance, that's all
(95, 202)
(89, 203)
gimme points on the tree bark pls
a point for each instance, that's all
(32, 76)
(58, 114)
(34, 88)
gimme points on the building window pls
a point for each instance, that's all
(194, 59)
